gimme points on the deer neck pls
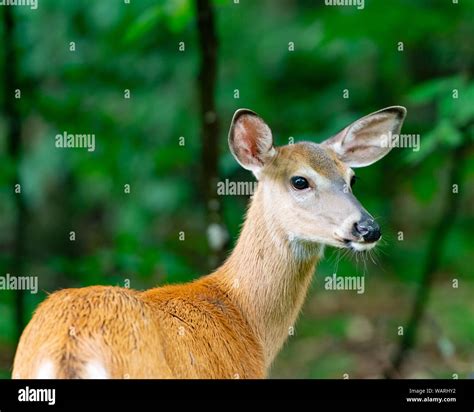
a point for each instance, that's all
(267, 276)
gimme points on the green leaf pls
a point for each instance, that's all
(176, 14)
(144, 24)
(179, 13)
(428, 144)
(443, 134)
(461, 110)
(446, 133)
(432, 89)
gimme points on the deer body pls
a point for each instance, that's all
(229, 324)
(233, 322)
(174, 332)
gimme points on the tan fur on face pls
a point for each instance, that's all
(291, 158)
(325, 213)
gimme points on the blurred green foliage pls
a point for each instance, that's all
(413, 53)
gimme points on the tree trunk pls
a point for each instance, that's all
(208, 46)
(13, 121)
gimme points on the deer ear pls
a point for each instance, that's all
(368, 139)
(250, 140)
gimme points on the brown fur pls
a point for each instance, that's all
(183, 331)
(322, 160)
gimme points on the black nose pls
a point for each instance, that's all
(368, 229)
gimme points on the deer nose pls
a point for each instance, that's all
(368, 229)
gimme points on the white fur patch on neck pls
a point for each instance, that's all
(304, 250)
(45, 370)
(95, 370)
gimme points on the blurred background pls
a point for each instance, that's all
(157, 83)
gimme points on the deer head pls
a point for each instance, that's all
(306, 188)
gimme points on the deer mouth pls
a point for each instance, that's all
(359, 246)
(355, 244)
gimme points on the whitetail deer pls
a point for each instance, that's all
(233, 322)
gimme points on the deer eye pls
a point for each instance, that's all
(353, 180)
(299, 183)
